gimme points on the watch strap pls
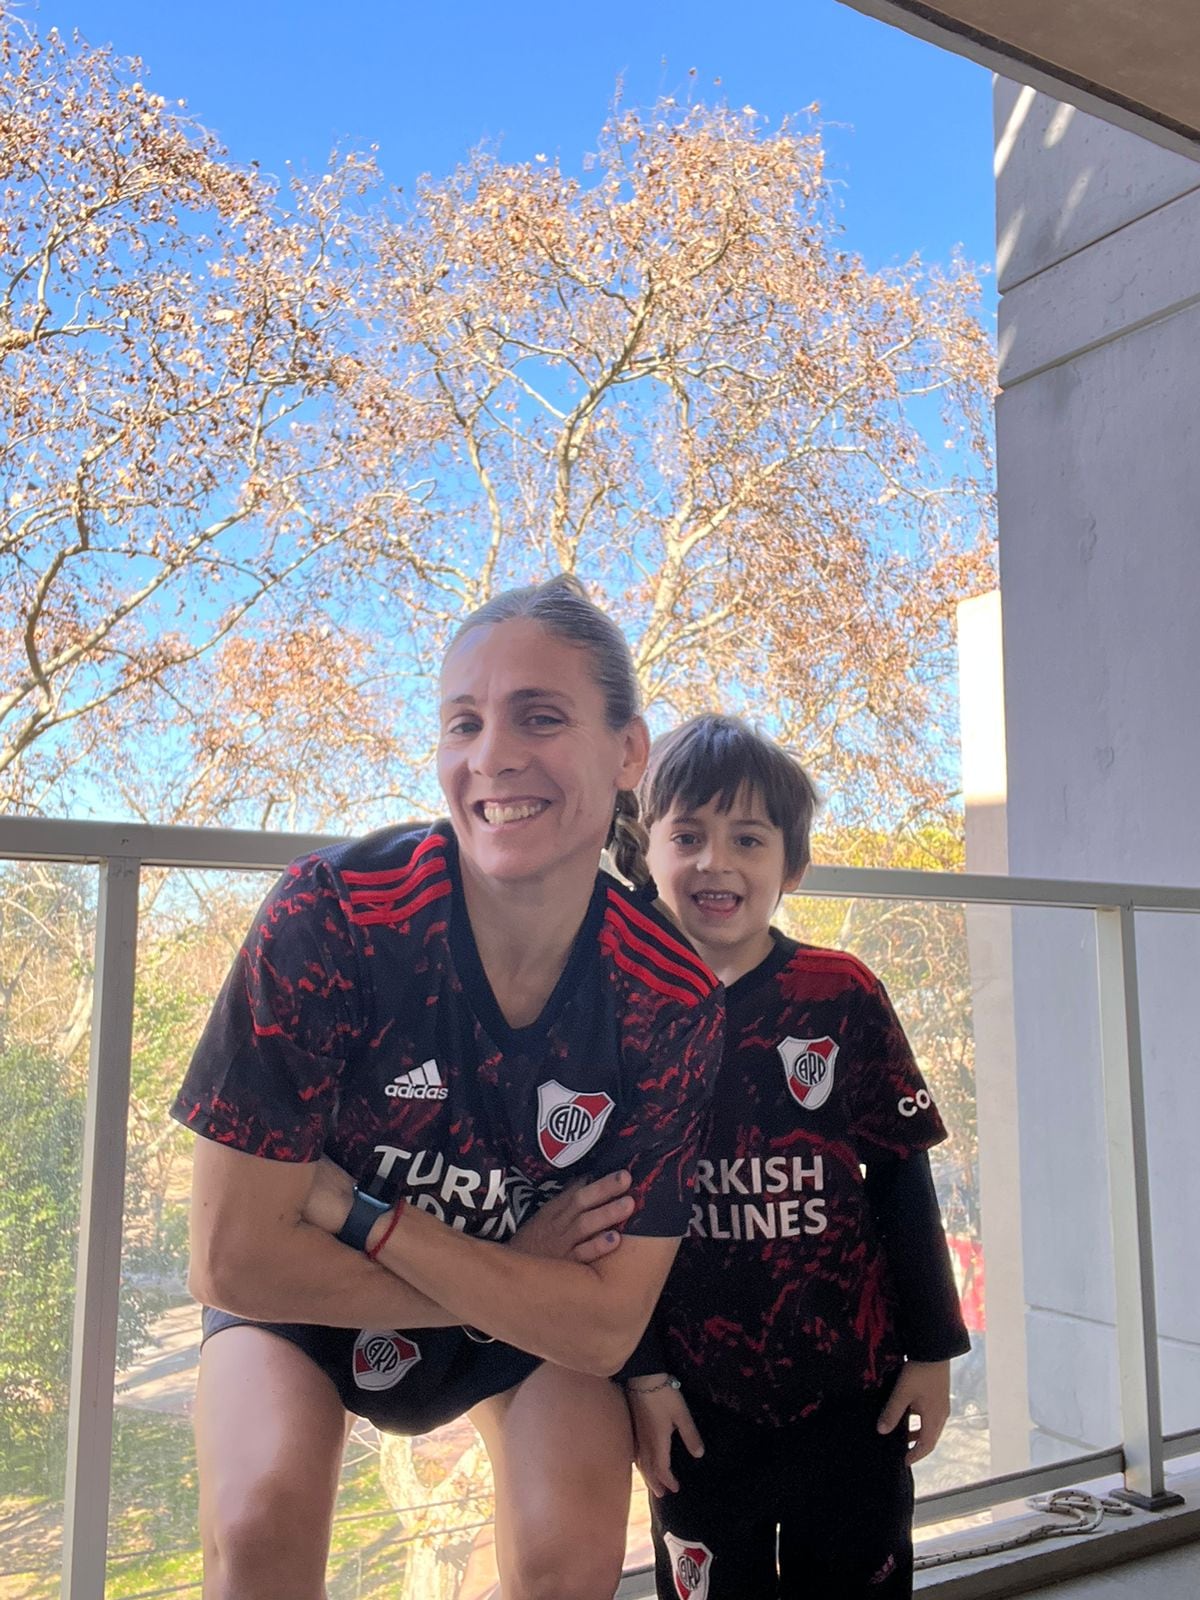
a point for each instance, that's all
(364, 1214)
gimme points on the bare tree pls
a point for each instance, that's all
(264, 448)
(672, 379)
(185, 423)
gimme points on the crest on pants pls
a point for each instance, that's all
(691, 1563)
(808, 1066)
(569, 1122)
(381, 1358)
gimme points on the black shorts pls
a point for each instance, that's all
(823, 1507)
(402, 1382)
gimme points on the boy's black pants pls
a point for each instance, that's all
(819, 1509)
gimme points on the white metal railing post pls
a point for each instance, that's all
(102, 1205)
(1129, 1204)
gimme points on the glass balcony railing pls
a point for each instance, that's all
(1026, 1011)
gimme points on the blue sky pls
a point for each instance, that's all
(907, 127)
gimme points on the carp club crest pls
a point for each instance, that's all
(569, 1122)
(381, 1358)
(691, 1563)
(808, 1067)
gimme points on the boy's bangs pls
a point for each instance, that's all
(719, 763)
(719, 774)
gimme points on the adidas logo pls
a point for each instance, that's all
(422, 1083)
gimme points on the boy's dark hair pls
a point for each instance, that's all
(719, 756)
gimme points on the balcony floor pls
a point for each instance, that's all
(1173, 1575)
(1142, 1556)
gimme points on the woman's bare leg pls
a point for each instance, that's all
(270, 1430)
(562, 1454)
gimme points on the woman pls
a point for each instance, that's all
(464, 1019)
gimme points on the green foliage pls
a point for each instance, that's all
(919, 949)
(40, 1153)
(40, 1141)
(153, 1547)
(152, 1542)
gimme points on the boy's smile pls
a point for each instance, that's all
(722, 873)
(719, 903)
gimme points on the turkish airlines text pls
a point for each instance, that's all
(490, 1203)
(792, 1201)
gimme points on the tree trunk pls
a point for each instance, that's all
(441, 1484)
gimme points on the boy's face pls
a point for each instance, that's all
(722, 873)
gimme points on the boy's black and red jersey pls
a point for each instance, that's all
(783, 1295)
(358, 1022)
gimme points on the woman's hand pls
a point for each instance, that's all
(923, 1390)
(330, 1197)
(659, 1412)
(582, 1223)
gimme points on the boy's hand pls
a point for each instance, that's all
(582, 1223)
(659, 1411)
(923, 1390)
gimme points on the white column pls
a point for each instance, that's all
(989, 945)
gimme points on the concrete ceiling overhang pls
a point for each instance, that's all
(1133, 62)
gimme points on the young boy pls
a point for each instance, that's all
(811, 1314)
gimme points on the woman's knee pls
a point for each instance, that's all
(560, 1515)
(267, 1538)
(565, 1569)
(269, 1435)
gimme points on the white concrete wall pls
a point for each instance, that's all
(1098, 437)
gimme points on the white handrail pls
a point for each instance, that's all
(52, 839)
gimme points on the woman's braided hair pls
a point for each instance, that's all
(628, 840)
(561, 605)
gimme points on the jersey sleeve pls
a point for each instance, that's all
(659, 1140)
(904, 1204)
(890, 1105)
(266, 1075)
(649, 1356)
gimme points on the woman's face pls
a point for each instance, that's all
(526, 759)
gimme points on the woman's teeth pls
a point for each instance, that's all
(495, 813)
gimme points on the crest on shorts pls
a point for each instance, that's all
(691, 1563)
(382, 1358)
(808, 1067)
(569, 1122)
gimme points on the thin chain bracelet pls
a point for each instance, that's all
(651, 1388)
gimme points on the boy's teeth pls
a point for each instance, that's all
(496, 814)
(721, 897)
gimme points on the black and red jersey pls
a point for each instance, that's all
(781, 1295)
(358, 1022)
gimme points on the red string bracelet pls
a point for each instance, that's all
(373, 1253)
